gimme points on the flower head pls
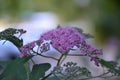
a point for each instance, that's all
(96, 60)
(63, 39)
(27, 48)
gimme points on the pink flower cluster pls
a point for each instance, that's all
(87, 49)
(64, 39)
(29, 48)
(44, 47)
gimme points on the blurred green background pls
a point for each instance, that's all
(101, 16)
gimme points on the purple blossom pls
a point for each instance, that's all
(28, 48)
(64, 39)
(96, 60)
(87, 49)
(24, 50)
(44, 47)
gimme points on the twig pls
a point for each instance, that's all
(45, 56)
(4, 42)
(63, 59)
(56, 76)
(38, 48)
(48, 57)
(75, 55)
(47, 76)
(33, 61)
(59, 60)
(99, 76)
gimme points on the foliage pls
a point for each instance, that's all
(15, 69)
(9, 34)
(38, 71)
(112, 66)
(19, 69)
(70, 71)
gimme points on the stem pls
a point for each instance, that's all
(57, 77)
(4, 42)
(59, 60)
(20, 35)
(38, 49)
(95, 76)
(63, 59)
(48, 57)
(75, 55)
(27, 67)
(33, 61)
(45, 56)
(46, 76)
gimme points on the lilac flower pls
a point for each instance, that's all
(28, 48)
(87, 49)
(63, 39)
(24, 50)
(44, 47)
(96, 60)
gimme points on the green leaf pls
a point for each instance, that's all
(38, 71)
(16, 41)
(18, 73)
(53, 78)
(24, 59)
(9, 34)
(15, 69)
(111, 66)
(71, 71)
(4, 63)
